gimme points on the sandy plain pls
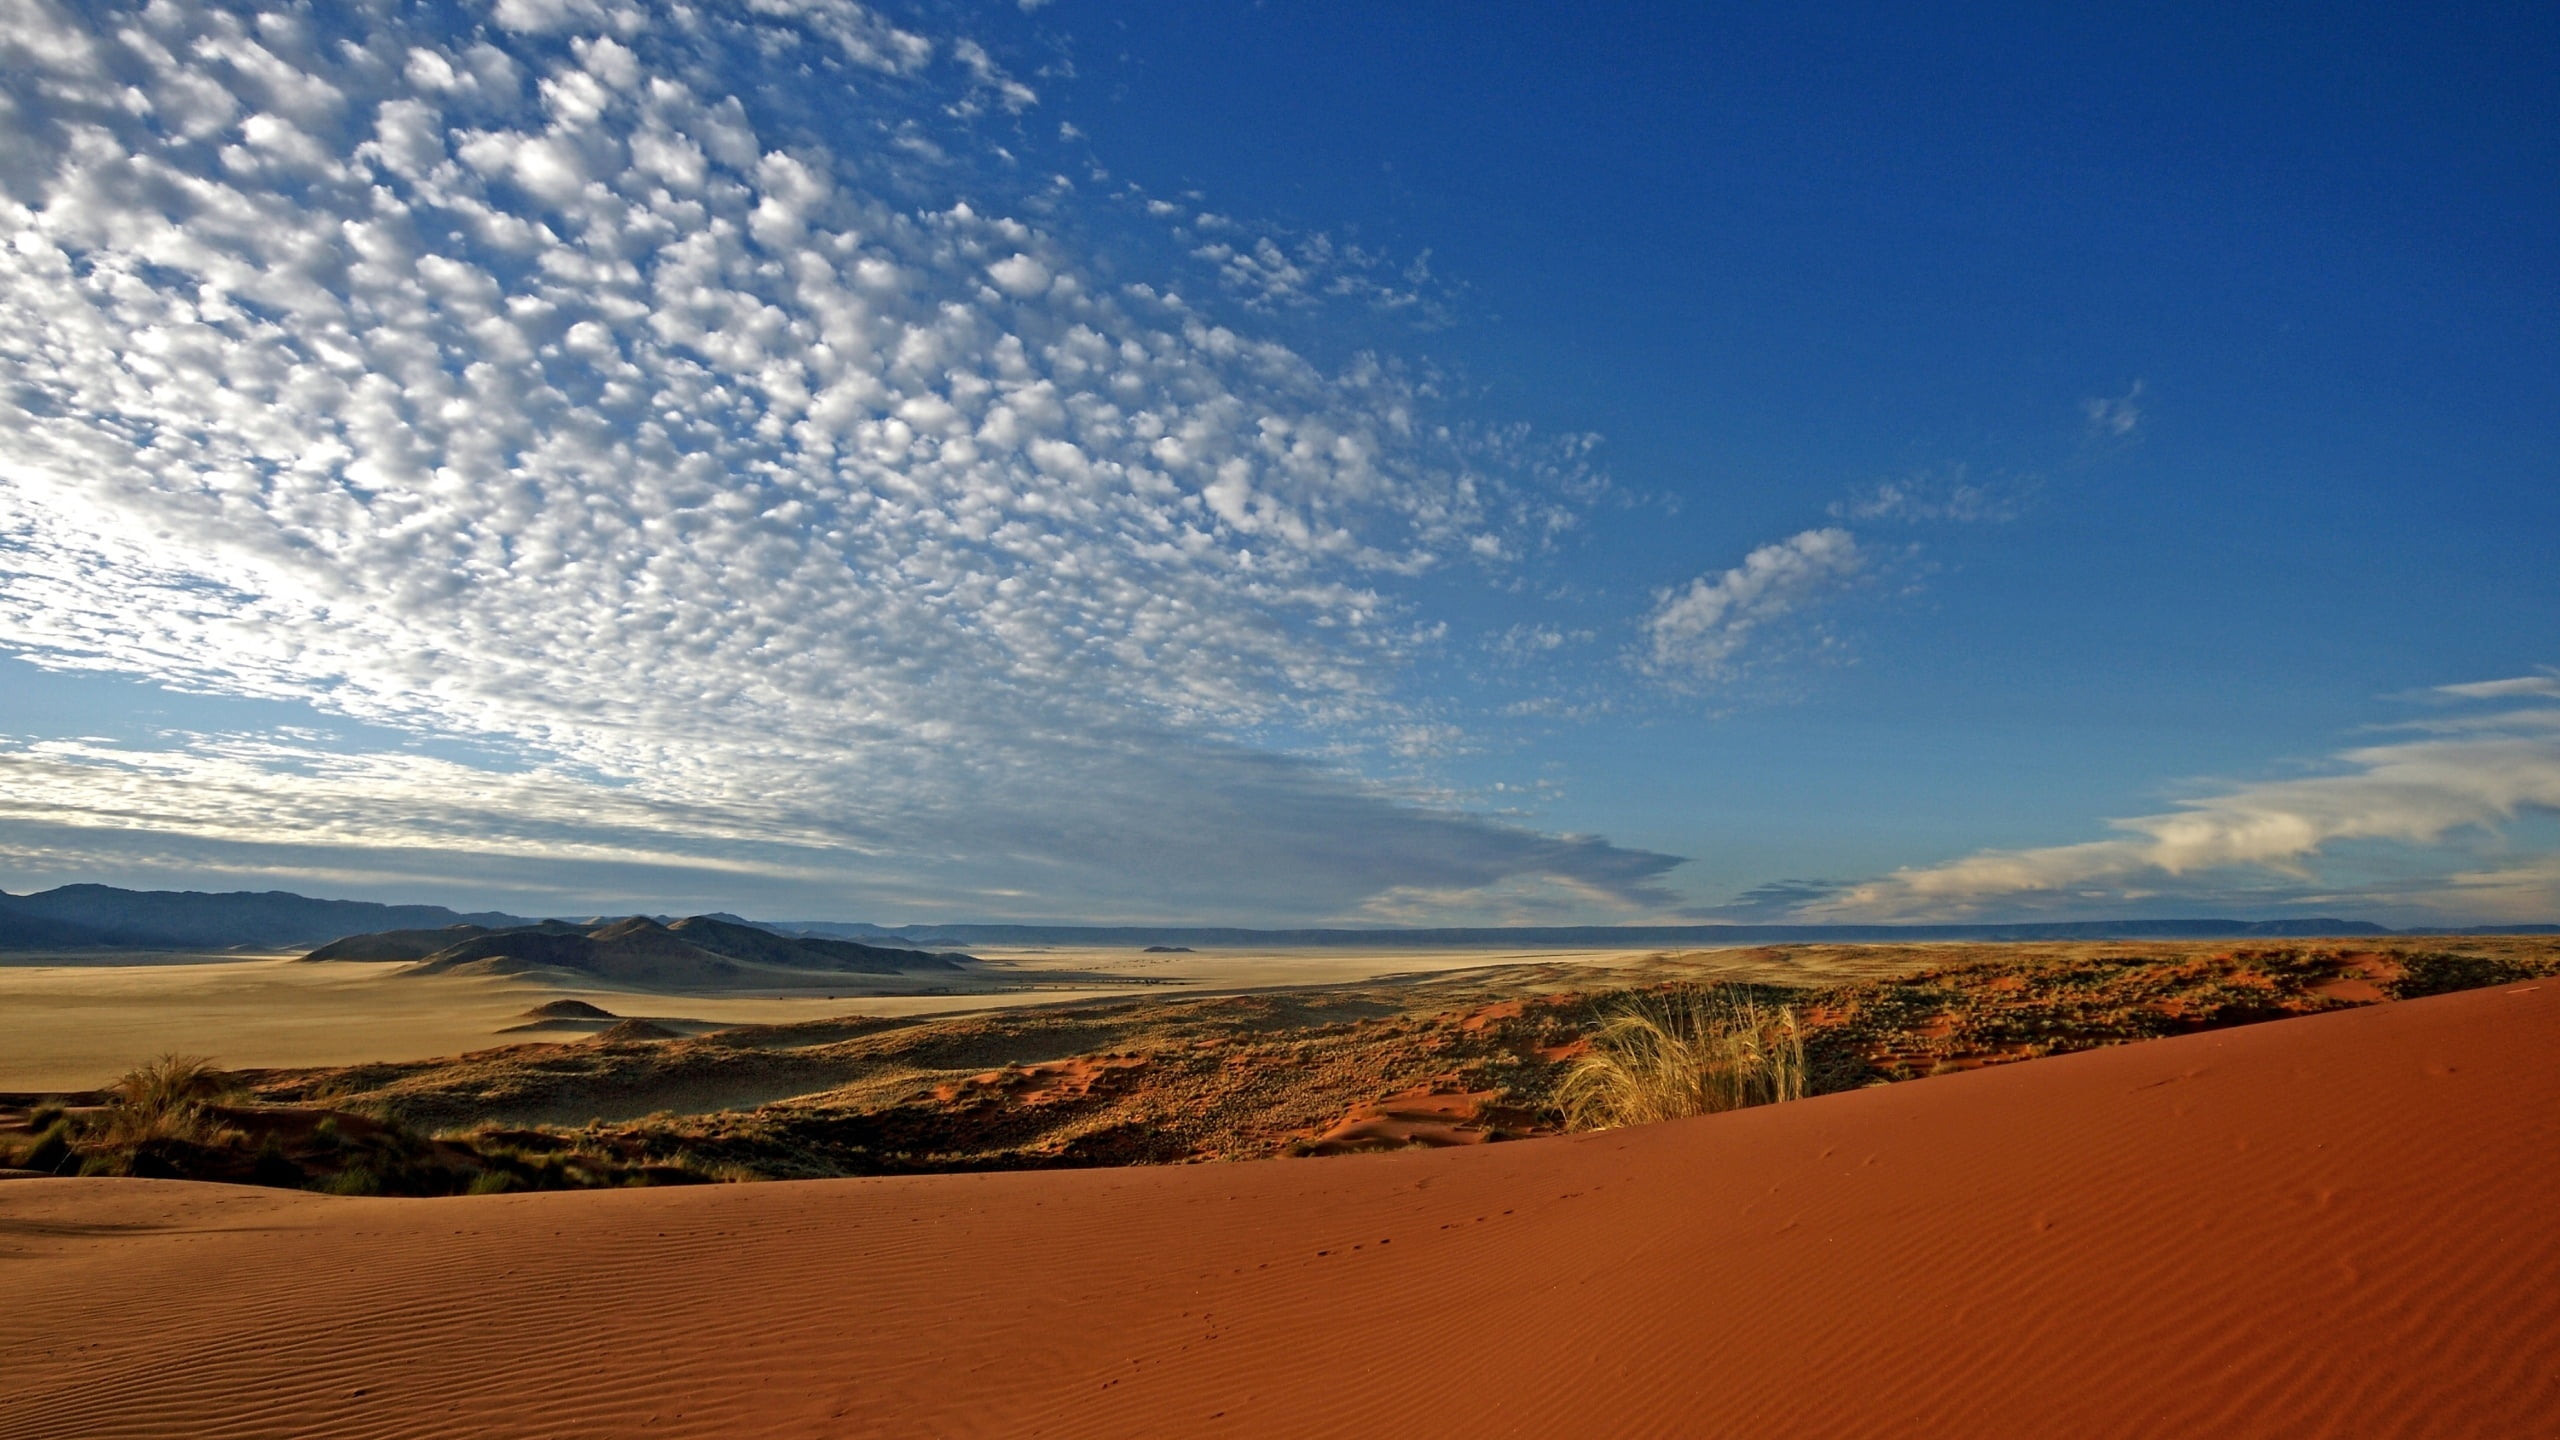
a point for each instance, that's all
(2337, 1225)
(72, 1022)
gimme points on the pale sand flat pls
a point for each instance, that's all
(75, 1026)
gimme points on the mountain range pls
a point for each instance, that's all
(104, 917)
(81, 917)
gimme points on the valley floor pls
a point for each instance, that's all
(75, 1020)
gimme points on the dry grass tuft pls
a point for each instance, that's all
(1691, 1050)
(165, 1098)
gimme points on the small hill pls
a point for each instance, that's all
(569, 1010)
(807, 952)
(398, 944)
(698, 952)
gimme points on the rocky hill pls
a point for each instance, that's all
(695, 953)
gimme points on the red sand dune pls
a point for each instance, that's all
(2343, 1225)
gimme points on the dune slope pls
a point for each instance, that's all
(2337, 1225)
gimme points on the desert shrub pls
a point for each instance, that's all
(2441, 972)
(52, 1146)
(44, 1116)
(491, 1182)
(164, 1099)
(354, 1180)
(1693, 1050)
(162, 1159)
(272, 1166)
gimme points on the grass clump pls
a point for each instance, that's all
(50, 1148)
(165, 1099)
(1690, 1050)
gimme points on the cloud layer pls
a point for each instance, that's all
(2464, 778)
(779, 490)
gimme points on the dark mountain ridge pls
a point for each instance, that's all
(103, 917)
(636, 950)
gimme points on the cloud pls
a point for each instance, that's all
(2521, 687)
(1775, 900)
(1524, 644)
(1702, 628)
(1273, 270)
(1952, 496)
(992, 80)
(2415, 793)
(726, 436)
(1703, 631)
(2114, 417)
(1264, 834)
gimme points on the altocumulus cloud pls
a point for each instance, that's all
(702, 405)
(1701, 629)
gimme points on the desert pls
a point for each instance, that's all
(824, 718)
(2240, 1187)
(2333, 1224)
(563, 1078)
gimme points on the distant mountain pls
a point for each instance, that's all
(102, 916)
(695, 953)
(391, 945)
(1594, 936)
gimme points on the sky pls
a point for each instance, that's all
(1284, 463)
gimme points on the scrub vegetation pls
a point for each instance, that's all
(1457, 1058)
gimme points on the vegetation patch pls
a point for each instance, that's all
(1686, 1050)
(1451, 1059)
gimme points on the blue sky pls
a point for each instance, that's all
(1284, 463)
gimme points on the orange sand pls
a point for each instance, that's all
(2344, 1226)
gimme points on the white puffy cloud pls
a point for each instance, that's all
(2421, 792)
(771, 490)
(1701, 629)
(1008, 92)
(1020, 276)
